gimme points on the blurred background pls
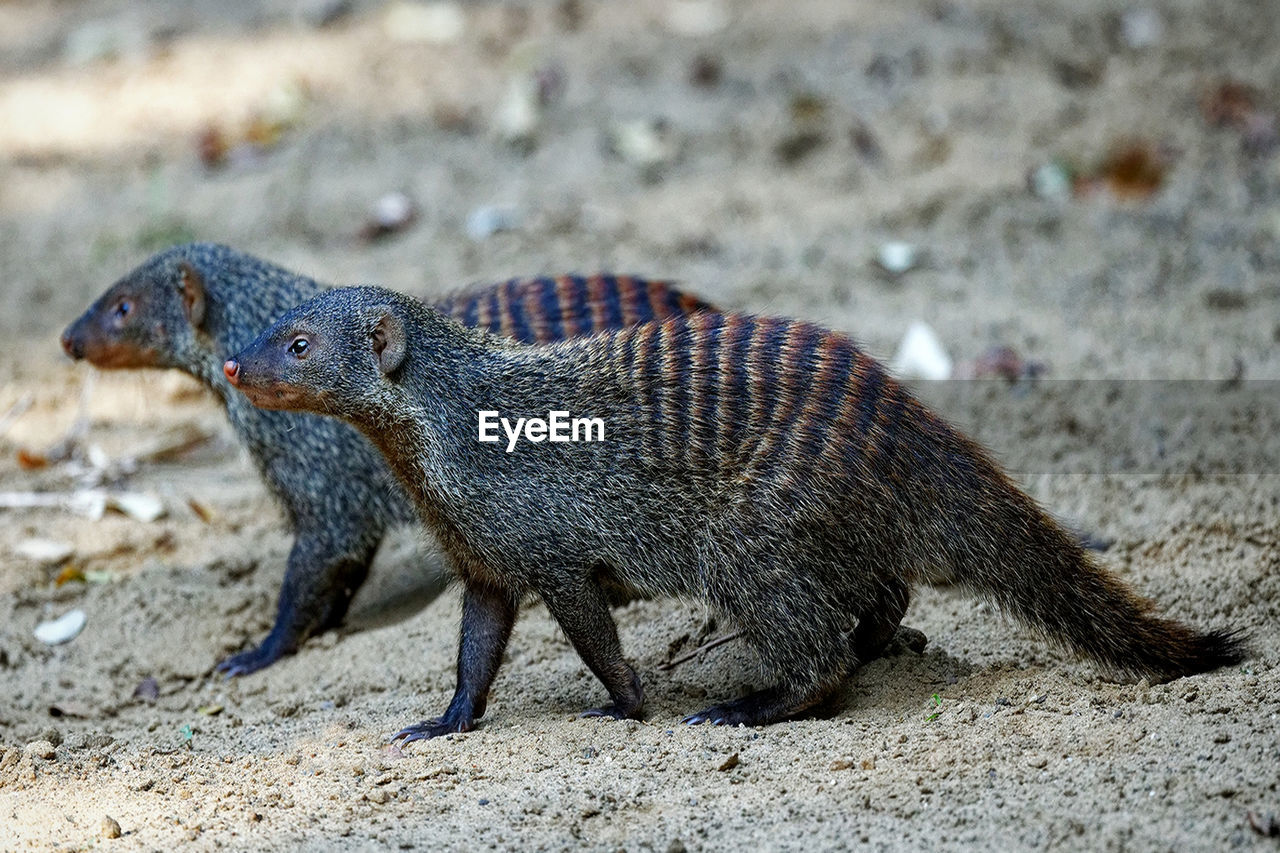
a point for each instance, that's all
(1087, 183)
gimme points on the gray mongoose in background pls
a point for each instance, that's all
(191, 306)
(766, 466)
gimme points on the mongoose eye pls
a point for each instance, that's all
(123, 309)
(299, 347)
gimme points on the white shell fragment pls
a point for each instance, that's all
(44, 550)
(897, 257)
(920, 355)
(520, 112)
(61, 630)
(137, 505)
(643, 142)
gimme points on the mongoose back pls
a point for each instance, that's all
(766, 466)
(192, 306)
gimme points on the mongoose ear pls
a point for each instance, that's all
(388, 342)
(191, 286)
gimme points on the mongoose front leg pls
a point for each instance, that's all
(320, 580)
(582, 610)
(488, 614)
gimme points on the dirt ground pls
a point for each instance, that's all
(795, 140)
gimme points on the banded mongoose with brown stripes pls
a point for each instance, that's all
(191, 306)
(768, 467)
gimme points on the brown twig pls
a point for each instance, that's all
(705, 647)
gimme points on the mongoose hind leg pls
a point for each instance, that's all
(488, 614)
(581, 607)
(322, 576)
(761, 707)
(878, 625)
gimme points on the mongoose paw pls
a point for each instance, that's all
(428, 729)
(742, 711)
(252, 660)
(906, 640)
(613, 712)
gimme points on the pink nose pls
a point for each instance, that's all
(232, 369)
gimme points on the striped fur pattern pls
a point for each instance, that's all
(553, 308)
(335, 488)
(766, 466)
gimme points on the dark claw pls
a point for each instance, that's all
(248, 661)
(613, 712)
(428, 729)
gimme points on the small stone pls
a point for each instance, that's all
(484, 222)
(1051, 181)
(1037, 761)
(391, 213)
(896, 257)
(520, 113)
(729, 763)
(40, 749)
(64, 629)
(1141, 28)
(110, 828)
(646, 143)
(376, 795)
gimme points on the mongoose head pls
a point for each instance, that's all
(334, 354)
(150, 318)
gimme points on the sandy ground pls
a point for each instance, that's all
(988, 738)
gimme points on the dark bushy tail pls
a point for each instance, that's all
(1003, 545)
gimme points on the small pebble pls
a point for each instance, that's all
(40, 749)
(392, 212)
(1141, 27)
(1037, 762)
(110, 828)
(520, 112)
(376, 795)
(484, 222)
(1051, 181)
(645, 143)
(61, 630)
(897, 257)
(729, 763)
